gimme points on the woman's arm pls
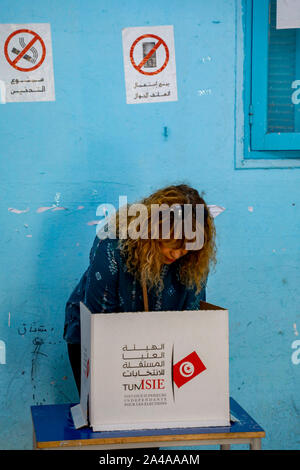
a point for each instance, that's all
(101, 292)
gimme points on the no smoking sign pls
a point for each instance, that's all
(25, 50)
(149, 64)
(26, 66)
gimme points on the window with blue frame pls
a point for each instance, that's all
(270, 82)
(275, 91)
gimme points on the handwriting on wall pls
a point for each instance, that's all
(32, 328)
(40, 336)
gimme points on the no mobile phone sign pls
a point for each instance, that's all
(149, 64)
(149, 56)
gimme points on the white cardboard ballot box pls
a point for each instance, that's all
(146, 370)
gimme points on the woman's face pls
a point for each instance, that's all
(170, 253)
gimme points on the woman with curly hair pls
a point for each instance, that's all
(152, 270)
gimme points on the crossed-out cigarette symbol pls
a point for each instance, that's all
(26, 56)
(34, 58)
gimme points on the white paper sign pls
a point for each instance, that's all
(26, 67)
(288, 14)
(149, 64)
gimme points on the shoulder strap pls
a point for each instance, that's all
(145, 297)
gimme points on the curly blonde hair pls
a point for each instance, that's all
(142, 256)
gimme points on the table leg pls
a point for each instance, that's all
(33, 440)
(255, 443)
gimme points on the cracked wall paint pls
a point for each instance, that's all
(18, 211)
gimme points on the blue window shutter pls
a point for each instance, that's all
(275, 118)
(281, 73)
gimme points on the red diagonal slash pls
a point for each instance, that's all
(139, 66)
(29, 45)
(149, 54)
(35, 38)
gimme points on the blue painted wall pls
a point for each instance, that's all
(89, 147)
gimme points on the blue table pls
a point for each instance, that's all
(53, 429)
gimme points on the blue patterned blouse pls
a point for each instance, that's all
(107, 286)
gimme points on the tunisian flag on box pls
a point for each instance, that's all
(186, 369)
